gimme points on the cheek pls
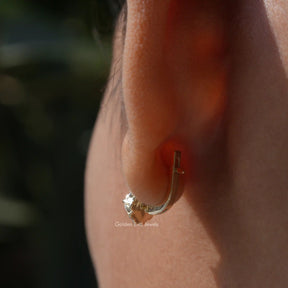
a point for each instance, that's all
(277, 12)
(104, 190)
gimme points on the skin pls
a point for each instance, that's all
(209, 79)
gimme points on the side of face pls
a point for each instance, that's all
(193, 76)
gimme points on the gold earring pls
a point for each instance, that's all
(140, 212)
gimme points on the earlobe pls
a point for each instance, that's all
(147, 172)
(140, 212)
(174, 69)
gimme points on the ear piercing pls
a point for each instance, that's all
(140, 212)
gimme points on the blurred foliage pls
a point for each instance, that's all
(54, 61)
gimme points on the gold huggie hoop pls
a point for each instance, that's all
(140, 212)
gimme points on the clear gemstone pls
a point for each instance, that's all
(128, 202)
(135, 210)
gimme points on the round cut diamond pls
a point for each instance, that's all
(135, 210)
(128, 202)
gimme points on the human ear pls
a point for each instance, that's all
(174, 87)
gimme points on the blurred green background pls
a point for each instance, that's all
(54, 61)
